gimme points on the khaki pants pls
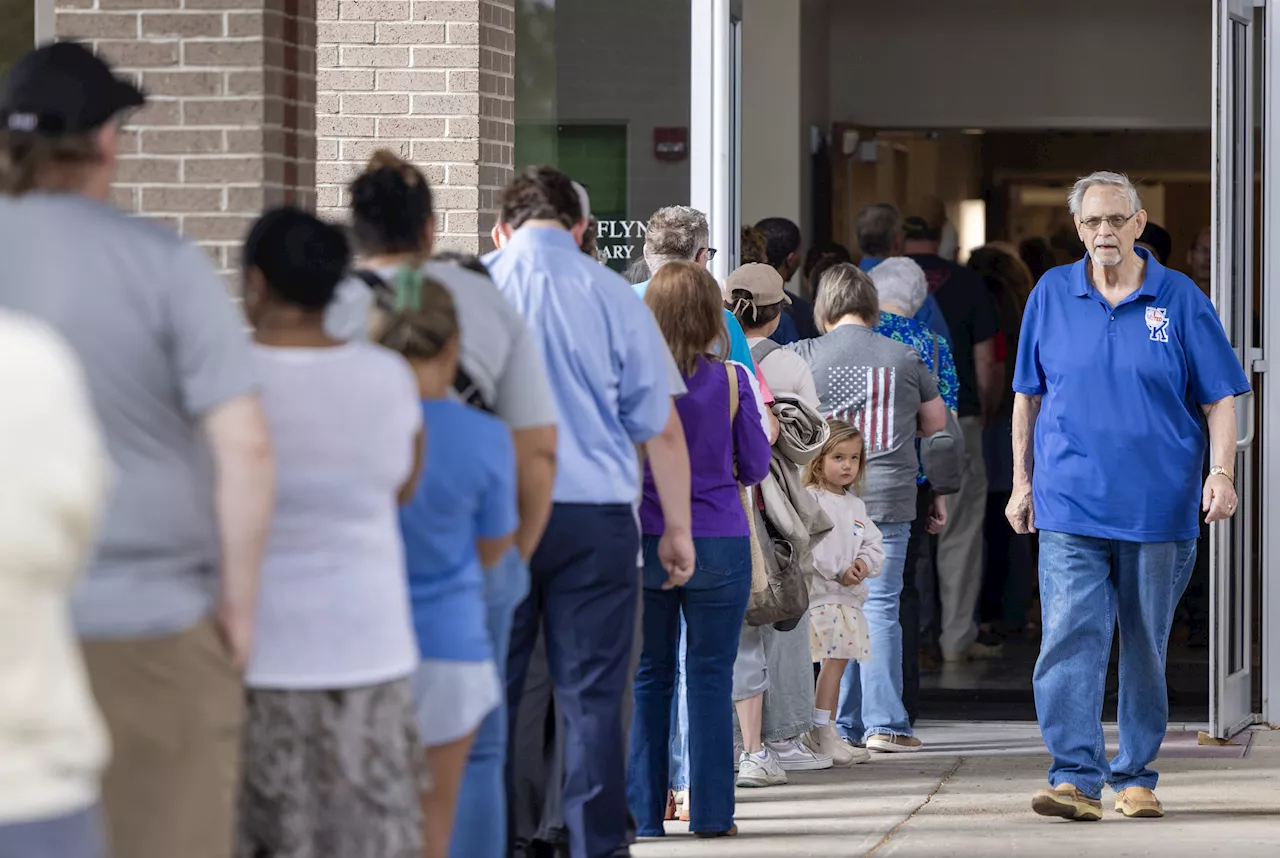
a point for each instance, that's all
(960, 547)
(174, 708)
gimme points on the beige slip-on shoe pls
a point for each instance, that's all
(1067, 802)
(1139, 803)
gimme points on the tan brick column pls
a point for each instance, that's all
(229, 128)
(432, 80)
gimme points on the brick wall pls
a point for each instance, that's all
(228, 128)
(430, 80)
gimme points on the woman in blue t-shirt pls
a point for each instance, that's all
(460, 522)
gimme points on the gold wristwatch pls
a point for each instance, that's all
(1217, 470)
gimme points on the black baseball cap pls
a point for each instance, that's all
(63, 88)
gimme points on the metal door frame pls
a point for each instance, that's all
(1230, 692)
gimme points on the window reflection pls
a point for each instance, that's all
(602, 91)
(17, 36)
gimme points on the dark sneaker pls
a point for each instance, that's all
(1067, 802)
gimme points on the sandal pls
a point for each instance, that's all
(671, 807)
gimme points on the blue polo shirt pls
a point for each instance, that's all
(1119, 446)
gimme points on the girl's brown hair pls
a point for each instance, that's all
(838, 432)
(686, 301)
(419, 321)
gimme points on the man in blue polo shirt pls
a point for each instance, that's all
(1118, 356)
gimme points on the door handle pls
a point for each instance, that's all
(1244, 435)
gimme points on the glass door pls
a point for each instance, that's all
(1231, 546)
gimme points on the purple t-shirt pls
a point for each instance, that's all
(704, 411)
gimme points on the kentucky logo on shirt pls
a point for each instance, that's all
(1158, 324)
(863, 396)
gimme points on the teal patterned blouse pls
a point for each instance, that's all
(917, 335)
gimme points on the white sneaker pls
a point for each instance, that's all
(825, 740)
(794, 756)
(755, 772)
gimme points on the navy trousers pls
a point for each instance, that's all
(583, 593)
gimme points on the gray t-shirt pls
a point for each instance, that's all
(498, 352)
(161, 344)
(877, 384)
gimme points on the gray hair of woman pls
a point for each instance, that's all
(846, 291)
(901, 285)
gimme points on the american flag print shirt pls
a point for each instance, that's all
(864, 397)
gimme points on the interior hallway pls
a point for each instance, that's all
(969, 797)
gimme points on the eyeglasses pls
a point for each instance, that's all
(1115, 221)
(711, 253)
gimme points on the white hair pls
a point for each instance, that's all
(900, 282)
(1075, 200)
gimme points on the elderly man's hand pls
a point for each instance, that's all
(1021, 510)
(1219, 498)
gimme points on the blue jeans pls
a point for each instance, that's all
(78, 834)
(871, 691)
(1086, 584)
(480, 824)
(680, 717)
(714, 604)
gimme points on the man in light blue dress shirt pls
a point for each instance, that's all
(607, 364)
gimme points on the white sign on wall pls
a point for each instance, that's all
(621, 239)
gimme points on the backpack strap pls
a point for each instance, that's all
(384, 296)
(380, 287)
(732, 372)
(763, 349)
(937, 369)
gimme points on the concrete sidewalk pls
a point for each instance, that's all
(970, 797)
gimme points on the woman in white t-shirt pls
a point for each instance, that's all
(331, 758)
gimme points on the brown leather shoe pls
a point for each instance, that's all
(705, 835)
(1139, 803)
(1067, 802)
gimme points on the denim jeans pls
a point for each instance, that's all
(680, 717)
(480, 824)
(78, 834)
(1085, 585)
(871, 691)
(713, 603)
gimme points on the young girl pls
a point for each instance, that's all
(459, 524)
(850, 554)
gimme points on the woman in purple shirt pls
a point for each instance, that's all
(686, 301)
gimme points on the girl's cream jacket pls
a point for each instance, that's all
(853, 537)
(53, 476)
